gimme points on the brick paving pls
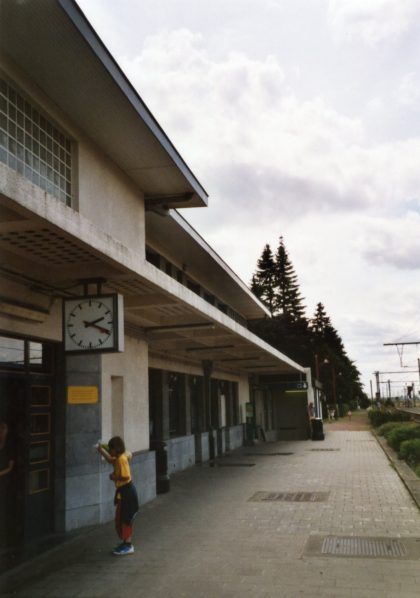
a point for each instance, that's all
(357, 422)
(207, 539)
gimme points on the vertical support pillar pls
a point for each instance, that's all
(185, 414)
(159, 396)
(81, 471)
(207, 370)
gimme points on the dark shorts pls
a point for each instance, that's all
(126, 497)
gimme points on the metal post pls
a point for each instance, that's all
(378, 387)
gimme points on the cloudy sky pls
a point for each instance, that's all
(301, 118)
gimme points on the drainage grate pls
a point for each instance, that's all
(362, 547)
(289, 496)
(367, 547)
(268, 454)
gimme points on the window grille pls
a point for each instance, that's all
(31, 145)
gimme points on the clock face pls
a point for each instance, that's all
(89, 323)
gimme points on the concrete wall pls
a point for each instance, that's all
(234, 437)
(181, 453)
(131, 367)
(104, 194)
(109, 199)
(201, 447)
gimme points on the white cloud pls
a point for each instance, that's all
(395, 243)
(371, 21)
(408, 91)
(251, 141)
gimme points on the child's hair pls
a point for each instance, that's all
(117, 444)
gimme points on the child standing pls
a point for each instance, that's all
(126, 501)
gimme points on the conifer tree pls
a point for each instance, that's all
(276, 285)
(263, 281)
(288, 301)
(320, 321)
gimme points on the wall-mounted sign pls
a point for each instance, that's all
(82, 395)
(284, 385)
(93, 324)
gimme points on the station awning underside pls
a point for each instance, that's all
(51, 260)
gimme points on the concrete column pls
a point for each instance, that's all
(186, 392)
(80, 502)
(207, 370)
(159, 396)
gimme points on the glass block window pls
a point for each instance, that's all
(33, 146)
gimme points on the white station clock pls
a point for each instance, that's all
(93, 324)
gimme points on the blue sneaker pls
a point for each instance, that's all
(124, 549)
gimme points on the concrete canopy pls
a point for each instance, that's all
(176, 238)
(72, 66)
(47, 247)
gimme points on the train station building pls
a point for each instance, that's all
(116, 316)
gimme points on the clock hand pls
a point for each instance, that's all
(93, 325)
(97, 320)
(105, 330)
(87, 324)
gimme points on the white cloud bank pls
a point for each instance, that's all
(253, 142)
(371, 21)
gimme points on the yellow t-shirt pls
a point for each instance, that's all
(122, 469)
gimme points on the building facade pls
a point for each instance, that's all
(90, 193)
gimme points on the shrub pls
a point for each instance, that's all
(410, 451)
(381, 415)
(400, 433)
(417, 470)
(385, 428)
(343, 409)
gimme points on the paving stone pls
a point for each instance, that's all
(206, 539)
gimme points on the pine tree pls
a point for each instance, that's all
(320, 321)
(276, 285)
(287, 300)
(339, 375)
(263, 281)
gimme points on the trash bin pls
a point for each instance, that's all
(162, 476)
(317, 429)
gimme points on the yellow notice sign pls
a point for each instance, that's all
(80, 395)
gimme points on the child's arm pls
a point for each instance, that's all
(105, 454)
(119, 478)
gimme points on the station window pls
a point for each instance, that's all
(194, 287)
(33, 146)
(20, 354)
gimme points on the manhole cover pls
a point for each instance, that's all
(289, 496)
(268, 454)
(369, 547)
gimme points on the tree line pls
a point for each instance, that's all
(312, 342)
